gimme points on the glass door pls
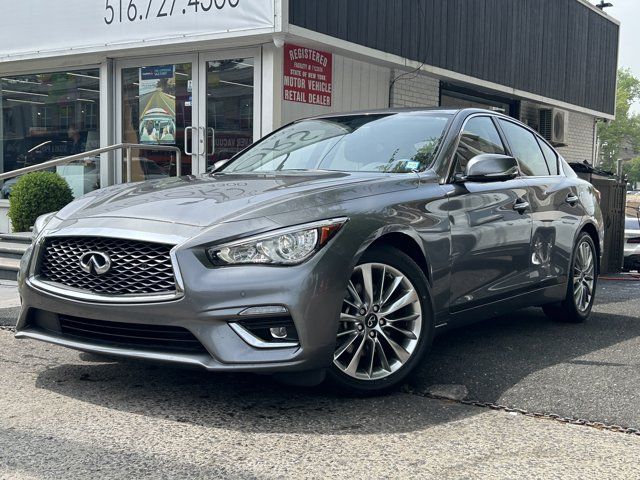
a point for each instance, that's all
(158, 106)
(229, 119)
(208, 105)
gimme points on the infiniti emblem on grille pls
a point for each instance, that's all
(95, 262)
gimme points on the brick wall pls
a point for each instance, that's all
(415, 90)
(581, 139)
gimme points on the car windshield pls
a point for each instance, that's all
(398, 143)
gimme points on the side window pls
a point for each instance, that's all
(550, 156)
(526, 149)
(479, 136)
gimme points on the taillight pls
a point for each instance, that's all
(598, 194)
(634, 240)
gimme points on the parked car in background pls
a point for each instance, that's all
(338, 245)
(632, 242)
(633, 203)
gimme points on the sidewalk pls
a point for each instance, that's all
(9, 302)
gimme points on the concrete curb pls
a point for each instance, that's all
(621, 278)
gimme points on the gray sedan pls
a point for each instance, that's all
(335, 247)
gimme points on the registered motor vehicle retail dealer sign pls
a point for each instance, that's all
(308, 75)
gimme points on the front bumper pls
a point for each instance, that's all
(632, 261)
(212, 301)
(631, 250)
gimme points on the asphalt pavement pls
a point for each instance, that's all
(65, 414)
(589, 371)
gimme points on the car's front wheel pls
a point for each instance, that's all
(581, 288)
(386, 324)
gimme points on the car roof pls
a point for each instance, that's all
(454, 112)
(392, 111)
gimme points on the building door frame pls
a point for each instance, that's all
(197, 138)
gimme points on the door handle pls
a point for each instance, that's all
(187, 151)
(202, 141)
(521, 205)
(572, 199)
(213, 140)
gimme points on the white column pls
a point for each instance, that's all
(108, 168)
(1, 132)
(595, 154)
(272, 70)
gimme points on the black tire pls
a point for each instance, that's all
(391, 257)
(568, 311)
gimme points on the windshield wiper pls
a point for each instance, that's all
(279, 167)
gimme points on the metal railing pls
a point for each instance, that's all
(128, 147)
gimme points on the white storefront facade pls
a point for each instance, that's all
(208, 76)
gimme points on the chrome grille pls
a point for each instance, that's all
(137, 268)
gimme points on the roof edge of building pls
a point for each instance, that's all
(599, 11)
(344, 47)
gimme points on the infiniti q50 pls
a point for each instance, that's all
(336, 247)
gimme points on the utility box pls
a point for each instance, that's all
(614, 197)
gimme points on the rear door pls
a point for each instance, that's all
(490, 226)
(556, 210)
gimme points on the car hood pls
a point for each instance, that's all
(207, 200)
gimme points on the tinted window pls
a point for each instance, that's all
(525, 148)
(550, 156)
(394, 143)
(478, 136)
(48, 115)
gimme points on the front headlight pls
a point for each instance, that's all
(41, 222)
(290, 246)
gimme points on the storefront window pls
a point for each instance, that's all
(47, 116)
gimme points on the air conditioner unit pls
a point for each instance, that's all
(554, 126)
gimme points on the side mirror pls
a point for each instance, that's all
(491, 167)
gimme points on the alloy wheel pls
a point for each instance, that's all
(583, 276)
(380, 323)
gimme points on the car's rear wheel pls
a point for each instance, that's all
(386, 324)
(581, 288)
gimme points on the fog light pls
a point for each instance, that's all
(279, 332)
(265, 310)
(271, 330)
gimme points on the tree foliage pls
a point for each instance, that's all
(623, 133)
(632, 169)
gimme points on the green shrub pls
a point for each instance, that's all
(35, 194)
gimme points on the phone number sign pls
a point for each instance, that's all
(308, 76)
(70, 26)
